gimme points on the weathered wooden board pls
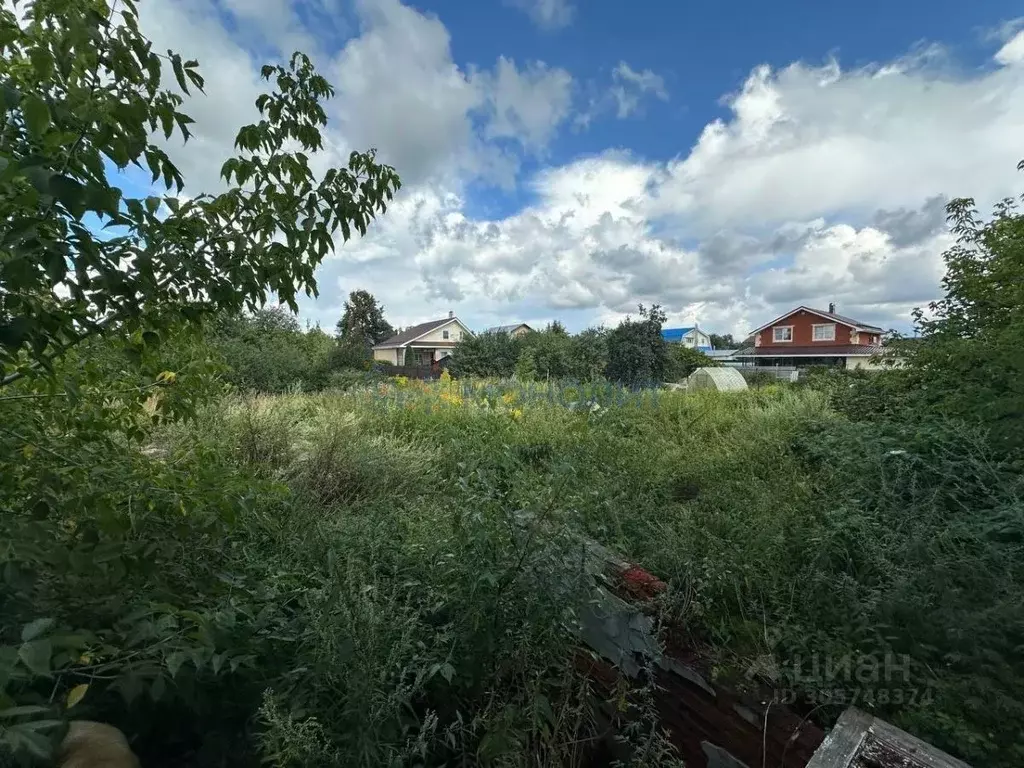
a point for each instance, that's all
(861, 740)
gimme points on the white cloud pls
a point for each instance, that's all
(547, 14)
(1013, 51)
(527, 106)
(806, 141)
(623, 95)
(630, 86)
(820, 185)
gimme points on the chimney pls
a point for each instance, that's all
(832, 308)
(450, 314)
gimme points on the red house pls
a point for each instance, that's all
(806, 336)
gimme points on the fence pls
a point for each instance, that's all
(414, 371)
(782, 372)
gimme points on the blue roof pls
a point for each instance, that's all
(675, 334)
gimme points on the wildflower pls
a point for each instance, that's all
(516, 414)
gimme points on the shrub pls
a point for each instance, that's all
(637, 354)
(683, 360)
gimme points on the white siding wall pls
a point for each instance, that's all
(387, 356)
(863, 364)
(455, 332)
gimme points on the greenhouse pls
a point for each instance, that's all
(720, 379)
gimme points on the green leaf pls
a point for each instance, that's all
(174, 662)
(75, 695)
(11, 96)
(151, 338)
(28, 709)
(70, 192)
(36, 656)
(15, 333)
(39, 178)
(21, 738)
(42, 62)
(37, 114)
(179, 72)
(34, 629)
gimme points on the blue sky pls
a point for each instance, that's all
(569, 160)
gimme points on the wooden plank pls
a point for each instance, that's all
(843, 742)
(861, 740)
(887, 745)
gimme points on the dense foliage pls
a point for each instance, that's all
(83, 91)
(268, 351)
(114, 574)
(633, 354)
(362, 325)
(637, 354)
(723, 341)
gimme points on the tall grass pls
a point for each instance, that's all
(429, 537)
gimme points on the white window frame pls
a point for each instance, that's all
(775, 334)
(816, 326)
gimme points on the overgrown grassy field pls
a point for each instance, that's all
(784, 530)
(391, 575)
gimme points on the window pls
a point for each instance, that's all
(782, 333)
(444, 335)
(825, 332)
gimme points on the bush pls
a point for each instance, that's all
(637, 354)
(350, 379)
(683, 360)
(486, 354)
(758, 378)
(268, 351)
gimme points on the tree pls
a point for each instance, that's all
(589, 354)
(968, 361)
(486, 354)
(267, 351)
(93, 346)
(724, 341)
(546, 355)
(637, 354)
(81, 90)
(361, 326)
(683, 360)
(363, 319)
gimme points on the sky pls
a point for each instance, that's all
(570, 160)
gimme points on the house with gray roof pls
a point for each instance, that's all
(516, 329)
(426, 343)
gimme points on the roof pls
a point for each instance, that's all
(720, 354)
(843, 350)
(675, 334)
(856, 324)
(410, 334)
(507, 328)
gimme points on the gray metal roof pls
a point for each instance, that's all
(507, 328)
(415, 332)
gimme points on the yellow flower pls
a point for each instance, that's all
(516, 414)
(509, 398)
